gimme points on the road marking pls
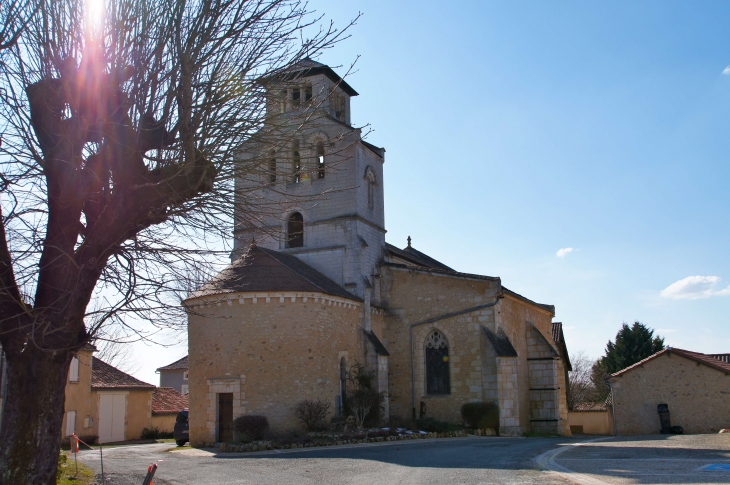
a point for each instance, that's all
(716, 467)
(547, 462)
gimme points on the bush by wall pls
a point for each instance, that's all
(481, 415)
(432, 425)
(153, 433)
(250, 427)
(313, 413)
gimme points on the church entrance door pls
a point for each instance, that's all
(225, 417)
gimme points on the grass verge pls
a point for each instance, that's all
(68, 475)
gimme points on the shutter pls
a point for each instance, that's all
(70, 423)
(74, 371)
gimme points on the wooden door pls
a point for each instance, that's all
(225, 417)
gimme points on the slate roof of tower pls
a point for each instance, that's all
(265, 270)
(308, 67)
(181, 364)
(704, 359)
(106, 376)
(166, 400)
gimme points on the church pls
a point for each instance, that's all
(313, 288)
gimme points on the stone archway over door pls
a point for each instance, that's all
(112, 416)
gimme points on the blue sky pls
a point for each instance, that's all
(516, 129)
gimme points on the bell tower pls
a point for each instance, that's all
(319, 183)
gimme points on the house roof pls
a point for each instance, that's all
(704, 359)
(723, 357)
(379, 347)
(308, 67)
(166, 400)
(106, 376)
(502, 346)
(181, 364)
(266, 270)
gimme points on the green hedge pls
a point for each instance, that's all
(481, 415)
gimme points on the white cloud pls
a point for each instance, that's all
(695, 288)
(563, 252)
(726, 71)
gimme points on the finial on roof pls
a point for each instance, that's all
(409, 241)
(253, 241)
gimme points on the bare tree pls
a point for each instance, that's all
(580, 380)
(15, 16)
(116, 175)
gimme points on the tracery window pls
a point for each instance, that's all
(295, 231)
(437, 364)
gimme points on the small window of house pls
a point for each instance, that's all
(320, 160)
(184, 389)
(296, 163)
(437, 364)
(185, 376)
(295, 231)
(73, 372)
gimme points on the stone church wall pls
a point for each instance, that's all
(414, 296)
(270, 354)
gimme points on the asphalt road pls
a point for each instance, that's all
(471, 460)
(690, 459)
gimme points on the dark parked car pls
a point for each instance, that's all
(182, 428)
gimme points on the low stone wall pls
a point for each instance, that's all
(591, 422)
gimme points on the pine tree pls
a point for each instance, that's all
(632, 345)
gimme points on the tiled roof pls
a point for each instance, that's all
(416, 257)
(377, 344)
(105, 376)
(166, 400)
(707, 360)
(181, 364)
(723, 357)
(308, 67)
(501, 343)
(266, 270)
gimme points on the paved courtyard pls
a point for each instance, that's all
(551, 461)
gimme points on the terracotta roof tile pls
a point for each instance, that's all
(166, 400)
(105, 376)
(181, 364)
(266, 270)
(707, 360)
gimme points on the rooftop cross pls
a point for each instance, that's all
(409, 241)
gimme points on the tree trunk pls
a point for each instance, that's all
(32, 416)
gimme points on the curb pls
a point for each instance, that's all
(547, 462)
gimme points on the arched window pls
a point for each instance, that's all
(296, 162)
(320, 159)
(437, 364)
(295, 231)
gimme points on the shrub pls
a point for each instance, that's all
(153, 433)
(395, 422)
(481, 414)
(363, 401)
(338, 423)
(250, 427)
(313, 414)
(432, 425)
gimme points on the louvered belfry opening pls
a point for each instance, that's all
(295, 231)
